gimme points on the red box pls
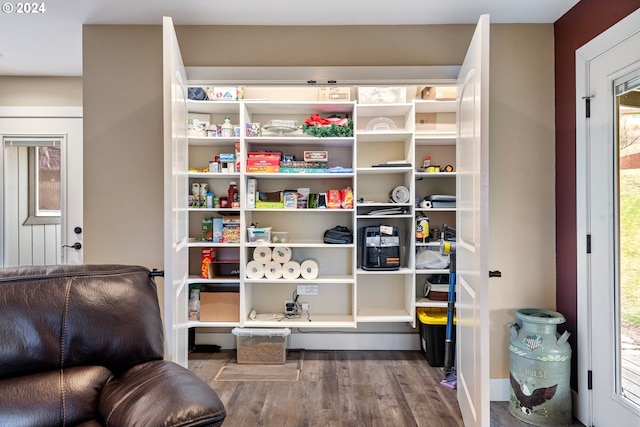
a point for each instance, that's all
(208, 256)
(263, 162)
(263, 155)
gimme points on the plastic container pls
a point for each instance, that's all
(261, 346)
(233, 198)
(280, 237)
(259, 235)
(228, 130)
(433, 333)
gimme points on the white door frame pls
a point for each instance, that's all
(604, 42)
(71, 216)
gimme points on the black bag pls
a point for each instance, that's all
(339, 235)
(198, 94)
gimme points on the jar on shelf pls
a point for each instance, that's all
(233, 196)
(227, 129)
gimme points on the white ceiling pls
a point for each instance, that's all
(49, 43)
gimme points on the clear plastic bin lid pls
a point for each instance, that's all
(245, 332)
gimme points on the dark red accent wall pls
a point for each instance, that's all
(586, 20)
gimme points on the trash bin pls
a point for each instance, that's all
(540, 369)
(433, 328)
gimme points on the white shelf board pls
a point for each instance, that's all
(207, 141)
(297, 107)
(278, 175)
(432, 271)
(317, 321)
(435, 138)
(427, 210)
(435, 175)
(195, 280)
(371, 315)
(201, 244)
(384, 170)
(296, 244)
(401, 270)
(426, 302)
(199, 324)
(300, 211)
(214, 175)
(298, 140)
(390, 136)
(321, 279)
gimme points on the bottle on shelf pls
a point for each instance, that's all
(233, 196)
(227, 128)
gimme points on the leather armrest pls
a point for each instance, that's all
(160, 393)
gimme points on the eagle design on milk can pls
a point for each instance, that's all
(527, 398)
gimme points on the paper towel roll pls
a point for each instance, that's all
(255, 270)
(262, 254)
(281, 254)
(291, 270)
(309, 269)
(273, 270)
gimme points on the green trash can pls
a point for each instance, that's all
(540, 369)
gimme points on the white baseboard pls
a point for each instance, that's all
(326, 341)
(499, 390)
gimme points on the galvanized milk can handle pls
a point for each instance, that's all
(514, 328)
(564, 337)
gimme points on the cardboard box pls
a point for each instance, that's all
(231, 229)
(263, 169)
(207, 229)
(334, 93)
(253, 129)
(252, 161)
(224, 93)
(436, 121)
(316, 156)
(208, 256)
(252, 187)
(217, 230)
(219, 306)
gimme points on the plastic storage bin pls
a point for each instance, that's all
(433, 333)
(280, 237)
(261, 346)
(259, 235)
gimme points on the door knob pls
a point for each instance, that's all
(77, 246)
(77, 230)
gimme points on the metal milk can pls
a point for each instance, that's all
(540, 369)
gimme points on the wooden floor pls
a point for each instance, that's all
(344, 388)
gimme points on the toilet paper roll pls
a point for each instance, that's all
(273, 270)
(281, 254)
(309, 269)
(291, 270)
(255, 270)
(262, 254)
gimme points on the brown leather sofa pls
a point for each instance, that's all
(83, 346)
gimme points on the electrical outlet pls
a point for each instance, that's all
(289, 307)
(307, 289)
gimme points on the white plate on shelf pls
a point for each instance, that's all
(380, 124)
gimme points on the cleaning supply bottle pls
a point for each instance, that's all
(234, 197)
(227, 128)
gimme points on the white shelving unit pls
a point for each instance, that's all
(347, 293)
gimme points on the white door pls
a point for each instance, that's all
(472, 335)
(176, 251)
(608, 65)
(35, 229)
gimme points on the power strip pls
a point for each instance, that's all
(290, 308)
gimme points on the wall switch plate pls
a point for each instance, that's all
(307, 289)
